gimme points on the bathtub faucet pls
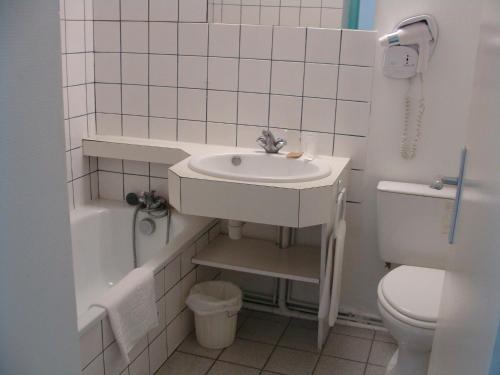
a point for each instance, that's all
(148, 200)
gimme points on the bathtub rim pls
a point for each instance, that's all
(167, 254)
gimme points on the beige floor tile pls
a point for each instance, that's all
(223, 368)
(269, 316)
(375, 370)
(261, 330)
(337, 366)
(385, 337)
(191, 346)
(363, 333)
(300, 338)
(304, 323)
(292, 362)
(248, 353)
(185, 364)
(348, 347)
(381, 353)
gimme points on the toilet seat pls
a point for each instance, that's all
(412, 295)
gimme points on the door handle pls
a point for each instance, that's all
(458, 197)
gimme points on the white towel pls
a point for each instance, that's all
(131, 308)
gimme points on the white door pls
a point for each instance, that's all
(468, 325)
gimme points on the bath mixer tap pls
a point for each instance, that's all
(270, 144)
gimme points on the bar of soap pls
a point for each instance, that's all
(294, 155)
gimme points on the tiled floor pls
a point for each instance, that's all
(269, 344)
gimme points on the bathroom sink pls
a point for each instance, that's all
(260, 167)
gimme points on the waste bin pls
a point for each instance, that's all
(215, 305)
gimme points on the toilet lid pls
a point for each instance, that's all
(414, 291)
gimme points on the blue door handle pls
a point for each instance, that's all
(458, 197)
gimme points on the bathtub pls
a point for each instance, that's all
(102, 249)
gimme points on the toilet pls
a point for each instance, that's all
(413, 221)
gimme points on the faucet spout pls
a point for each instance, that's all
(269, 143)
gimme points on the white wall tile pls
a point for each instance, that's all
(192, 72)
(291, 136)
(107, 67)
(269, 15)
(163, 70)
(193, 39)
(247, 135)
(223, 73)
(352, 118)
(90, 345)
(134, 37)
(163, 128)
(77, 101)
(253, 109)
(289, 43)
(285, 111)
(134, 10)
(162, 36)
(158, 352)
(106, 9)
(96, 367)
(114, 362)
(193, 10)
(136, 167)
(178, 330)
(355, 83)
(224, 40)
(76, 68)
(140, 365)
(187, 283)
(222, 106)
(324, 142)
(74, 9)
(358, 47)
(192, 104)
(79, 163)
(135, 99)
(135, 68)
(77, 129)
(250, 15)
(75, 36)
(163, 10)
(158, 170)
(310, 17)
(135, 184)
(331, 18)
(289, 16)
(110, 165)
(186, 264)
(107, 36)
(135, 126)
(318, 115)
(81, 191)
(255, 75)
(108, 98)
(256, 41)
(163, 101)
(317, 39)
(221, 134)
(173, 302)
(352, 147)
(109, 124)
(231, 14)
(192, 131)
(172, 273)
(110, 185)
(355, 191)
(321, 80)
(287, 78)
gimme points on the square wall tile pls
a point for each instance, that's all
(163, 70)
(79, 163)
(135, 99)
(269, 15)
(222, 106)
(163, 10)
(256, 41)
(192, 104)
(90, 345)
(75, 36)
(355, 191)
(141, 168)
(135, 184)
(134, 37)
(193, 39)
(224, 40)
(158, 352)
(106, 9)
(318, 115)
(231, 14)
(317, 40)
(289, 43)
(77, 129)
(247, 136)
(323, 141)
(110, 185)
(193, 10)
(107, 124)
(352, 147)
(221, 134)
(107, 67)
(134, 10)
(158, 170)
(163, 101)
(358, 47)
(74, 9)
(287, 78)
(135, 68)
(331, 18)
(355, 83)
(321, 80)
(192, 71)
(253, 109)
(77, 101)
(163, 128)
(108, 98)
(96, 367)
(290, 16)
(107, 36)
(352, 118)
(192, 131)
(255, 75)
(162, 37)
(135, 126)
(250, 15)
(223, 73)
(310, 17)
(76, 68)
(285, 112)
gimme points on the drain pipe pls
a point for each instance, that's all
(234, 229)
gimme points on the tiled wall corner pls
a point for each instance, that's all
(77, 47)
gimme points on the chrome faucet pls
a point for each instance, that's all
(270, 144)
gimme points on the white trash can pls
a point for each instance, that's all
(215, 305)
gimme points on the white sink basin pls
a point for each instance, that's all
(260, 167)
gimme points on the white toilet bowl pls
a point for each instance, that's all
(408, 300)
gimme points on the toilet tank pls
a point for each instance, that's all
(413, 221)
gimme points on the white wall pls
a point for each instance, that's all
(447, 91)
(37, 306)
